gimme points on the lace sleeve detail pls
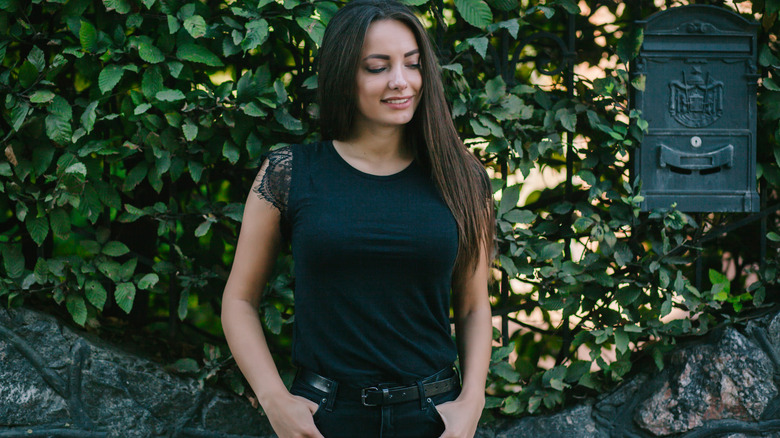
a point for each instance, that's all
(273, 180)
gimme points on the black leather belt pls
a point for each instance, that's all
(377, 395)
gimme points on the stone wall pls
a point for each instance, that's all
(55, 382)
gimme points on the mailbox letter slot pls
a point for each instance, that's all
(686, 162)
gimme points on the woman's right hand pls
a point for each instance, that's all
(292, 417)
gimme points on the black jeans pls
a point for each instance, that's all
(340, 417)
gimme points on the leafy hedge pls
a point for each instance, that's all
(132, 130)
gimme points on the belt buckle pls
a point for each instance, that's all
(364, 395)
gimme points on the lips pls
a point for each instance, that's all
(397, 100)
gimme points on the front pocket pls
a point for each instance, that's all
(433, 412)
(311, 394)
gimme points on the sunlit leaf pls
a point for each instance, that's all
(475, 12)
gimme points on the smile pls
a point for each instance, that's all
(398, 100)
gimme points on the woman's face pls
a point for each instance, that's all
(389, 80)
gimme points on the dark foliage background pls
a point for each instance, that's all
(132, 131)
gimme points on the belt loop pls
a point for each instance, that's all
(421, 391)
(332, 396)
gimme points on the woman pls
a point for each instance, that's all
(385, 219)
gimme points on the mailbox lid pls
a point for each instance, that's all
(696, 20)
(721, 163)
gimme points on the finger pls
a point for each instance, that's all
(309, 404)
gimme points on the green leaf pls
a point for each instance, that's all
(770, 84)
(88, 36)
(569, 121)
(42, 96)
(273, 319)
(37, 59)
(124, 296)
(77, 169)
(120, 6)
(127, 269)
(569, 6)
(150, 53)
(480, 44)
(203, 228)
(142, 108)
(185, 365)
(495, 89)
(173, 24)
(554, 377)
(196, 170)
(169, 95)
(77, 309)
(231, 152)
(508, 265)
(475, 12)
(190, 130)
(38, 227)
(774, 237)
(58, 129)
(313, 27)
(504, 5)
(505, 371)
(551, 251)
(18, 114)
(28, 74)
(195, 26)
(60, 223)
(115, 249)
(184, 300)
(509, 199)
(148, 281)
(628, 46)
(135, 176)
(96, 293)
(109, 77)
(252, 109)
(89, 116)
(501, 353)
(195, 53)
(13, 260)
(152, 82)
(621, 340)
(627, 295)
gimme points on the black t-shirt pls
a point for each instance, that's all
(373, 259)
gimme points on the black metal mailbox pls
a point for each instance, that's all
(700, 104)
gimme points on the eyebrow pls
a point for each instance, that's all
(386, 57)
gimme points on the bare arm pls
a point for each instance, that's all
(474, 330)
(258, 245)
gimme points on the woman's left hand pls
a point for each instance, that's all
(460, 418)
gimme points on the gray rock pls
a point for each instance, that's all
(729, 380)
(55, 382)
(576, 422)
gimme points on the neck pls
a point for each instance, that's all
(378, 151)
(378, 144)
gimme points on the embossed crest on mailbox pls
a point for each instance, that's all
(700, 104)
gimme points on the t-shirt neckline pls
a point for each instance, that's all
(353, 169)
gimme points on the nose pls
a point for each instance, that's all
(398, 81)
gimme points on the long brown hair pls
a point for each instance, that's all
(458, 175)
